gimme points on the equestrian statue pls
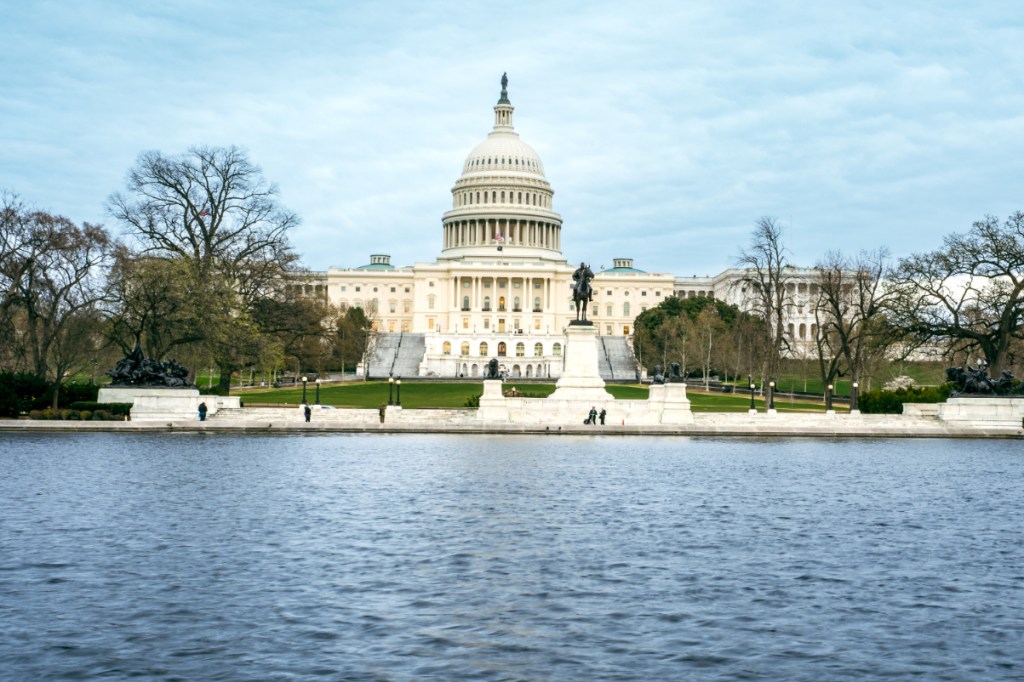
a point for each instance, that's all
(582, 292)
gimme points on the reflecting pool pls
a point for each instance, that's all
(395, 557)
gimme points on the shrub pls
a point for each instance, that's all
(891, 402)
(22, 392)
(472, 401)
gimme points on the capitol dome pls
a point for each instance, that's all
(502, 202)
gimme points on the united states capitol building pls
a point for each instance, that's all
(501, 286)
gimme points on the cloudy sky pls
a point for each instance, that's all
(666, 128)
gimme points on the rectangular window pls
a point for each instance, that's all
(536, 285)
(392, 290)
(608, 330)
(430, 283)
(465, 284)
(407, 290)
(487, 323)
(501, 284)
(487, 284)
(343, 287)
(515, 285)
(643, 293)
(657, 293)
(358, 288)
(465, 323)
(405, 326)
(430, 323)
(407, 306)
(391, 326)
(536, 323)
(391, 306)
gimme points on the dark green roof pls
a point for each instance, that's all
(623, 271)
(376, 266)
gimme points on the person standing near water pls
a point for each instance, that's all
(307, 411)
(202, 411)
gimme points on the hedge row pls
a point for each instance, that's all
(21, 392)
(121, 409)
(891, 402)
(100, 415)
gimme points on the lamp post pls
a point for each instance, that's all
(771, 396)
(828, 398)
(853, 398)
(398, 392)
(318, 390)
(304, 380)
(391, 388)
(750, 380)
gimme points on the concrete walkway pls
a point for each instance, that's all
(787, 425)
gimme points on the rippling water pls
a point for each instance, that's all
(375, 557)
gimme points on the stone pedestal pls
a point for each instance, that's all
(493, 406)
(154, 402)
(580, 378)
(676, 406)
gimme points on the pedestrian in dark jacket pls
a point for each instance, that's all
(603, 414)
(202, 412)
(307, 410)
(592, 417)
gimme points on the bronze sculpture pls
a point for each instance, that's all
(582, 292)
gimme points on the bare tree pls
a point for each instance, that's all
(765, 286)
(212, 209)
(52, 278)
(969, 293)
(851, 313)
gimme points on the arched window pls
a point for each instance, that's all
(625, 309)
(556, 349)
(465, 302)
(503, 196)
(520, 197)
(502, 349)
(790, 330)
(465, 348)
(430, 301)
(515, 304)
(538, 349)
(536, 304)
(520, 349)
(374, 304)
(487, 302)
(501, 303)
(483, 348)
(446, 349)
(803, 331)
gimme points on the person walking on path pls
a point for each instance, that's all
(202, 411)
(592, 419)
(603, 414)
(307, 410)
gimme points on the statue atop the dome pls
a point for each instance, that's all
(504, 81)
(582, 292)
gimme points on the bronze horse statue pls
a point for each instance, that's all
(582, 292)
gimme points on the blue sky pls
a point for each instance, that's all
(666, 128)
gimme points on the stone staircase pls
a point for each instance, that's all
(397, 354)
(616, 361)
(411, 349)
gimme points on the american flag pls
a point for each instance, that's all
(204, 212)
(499, 238)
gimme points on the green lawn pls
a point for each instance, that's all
(451, 394)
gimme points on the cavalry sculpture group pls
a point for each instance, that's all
(582, 292)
